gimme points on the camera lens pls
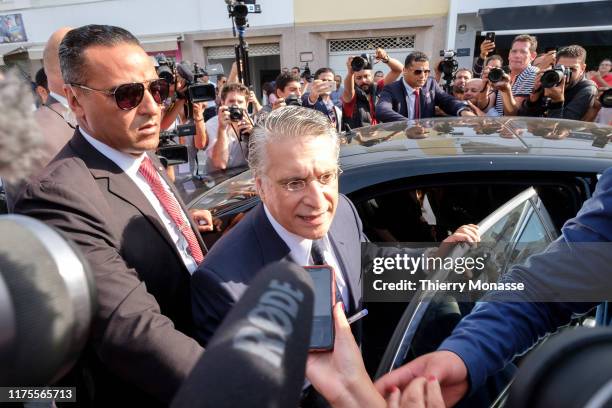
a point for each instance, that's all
(496, 75)
(235, 113)
(358, 63)
(293, 100)
(551, 78)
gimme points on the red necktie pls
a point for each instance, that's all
(417, 104)
(172, 207)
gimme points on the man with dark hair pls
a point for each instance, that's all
(227, 138)
(319, 97)
(571, 98)
(360, 92)
(42, 89)
(295, 71)
(287, 84)
(516, 87)
(416, 95)
(460, 80)
(108, 193)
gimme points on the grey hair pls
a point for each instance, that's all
(76, 41)
(21, 143)
(293, 122)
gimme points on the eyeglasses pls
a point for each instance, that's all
(420, 71)
(323, 179)
(129, 96)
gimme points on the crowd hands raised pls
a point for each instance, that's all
(365, 97)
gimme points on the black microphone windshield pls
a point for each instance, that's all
(47, 300)
(184, 70)
(258, 356)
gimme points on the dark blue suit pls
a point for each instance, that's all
(391, 105)
(578, 263)
(253, 243)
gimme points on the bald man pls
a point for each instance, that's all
(54, 118)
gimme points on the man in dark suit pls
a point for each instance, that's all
(570, 277)
(108, 194)
(416, 95)
(294, 158)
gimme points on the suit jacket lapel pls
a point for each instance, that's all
(342, 254)
(404, 104)
(119, 183)
(272, 246)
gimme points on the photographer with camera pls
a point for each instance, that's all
(360, 91)
(562, 91)
(416, 95)
(514, 88)
(228, 134)
(288, 92)
(319, 97)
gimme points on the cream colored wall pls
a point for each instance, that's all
(323, 11)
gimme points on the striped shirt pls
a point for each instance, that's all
(522, 86)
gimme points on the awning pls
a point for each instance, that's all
(564, 17)
(11, 49)
(160, 43)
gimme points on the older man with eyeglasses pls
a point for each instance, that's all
(416, 95)
(107, 192)
(293, 154)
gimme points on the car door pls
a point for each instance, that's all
(509, 235)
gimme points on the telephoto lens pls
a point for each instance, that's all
(554, 76)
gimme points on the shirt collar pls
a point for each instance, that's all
(126, 162)
(61, 99)
(298, 246)
(409, 89)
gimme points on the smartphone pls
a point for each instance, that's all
(330, 86)
(322, 335)
(490, 36)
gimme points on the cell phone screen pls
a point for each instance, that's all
(322, 335)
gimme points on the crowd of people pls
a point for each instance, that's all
(162, 294)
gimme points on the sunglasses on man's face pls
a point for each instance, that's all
(421, 71)
(129, 96)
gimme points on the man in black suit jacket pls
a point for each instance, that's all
(293, 154)
(140, 348)
(416, 95)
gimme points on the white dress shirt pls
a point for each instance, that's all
(299, 251)
(130, 165)
(410, 98)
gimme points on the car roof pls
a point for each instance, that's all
(391, 151)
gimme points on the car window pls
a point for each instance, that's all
(229, 194)
(514, 231)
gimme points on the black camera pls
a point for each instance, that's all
(165, 69)
(293, 100)
(554, 76)
(236, 113)
(496, 75)
(361, 62)
(239, 10)
(196, 92)
(306, 73)
(606, 98)
(449, 64)
(171, 153)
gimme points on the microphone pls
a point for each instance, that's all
(257, 357)
(47, 300)
(184, 70)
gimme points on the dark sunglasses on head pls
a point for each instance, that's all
(129, 96)
(420, 71)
